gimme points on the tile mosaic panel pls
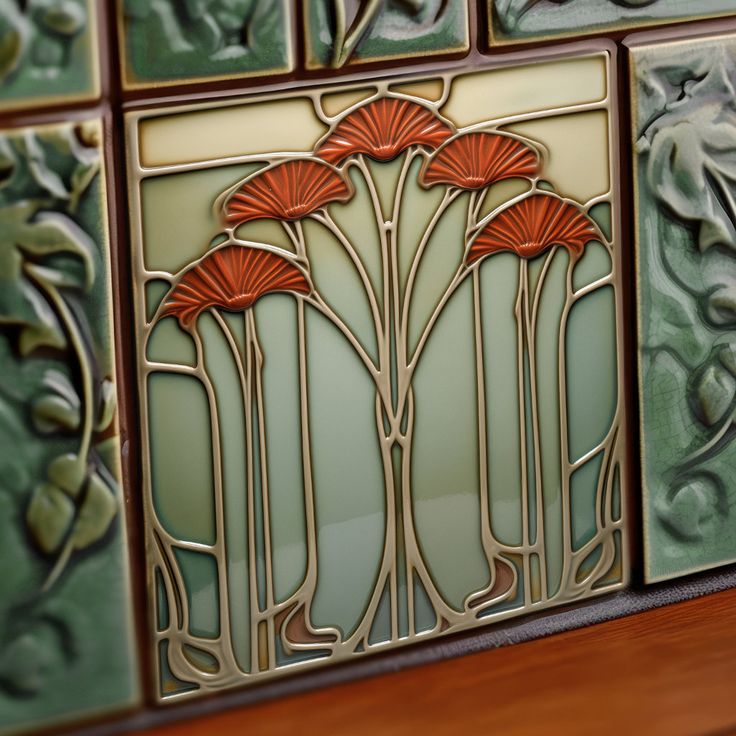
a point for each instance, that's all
(379, 364)
(343, 32)
(167, 42)
(685, 133)
(65, 627)
(48, 52)
(517, 21)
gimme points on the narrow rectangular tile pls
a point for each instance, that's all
(48, 52)
(66, 649)
(171, 42)
(685, 138)
(379, 363)
(519, 21)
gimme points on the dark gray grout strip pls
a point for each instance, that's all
(534, 626)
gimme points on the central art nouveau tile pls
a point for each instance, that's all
(379, 363)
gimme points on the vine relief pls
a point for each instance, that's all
(59, 496)
(686, 148)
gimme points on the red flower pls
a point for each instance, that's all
(533, 225)
(287, 191)
(382, 129)
(475, 160)
(232, 278)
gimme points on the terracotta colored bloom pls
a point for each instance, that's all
(232, 278)
(382, 129)
(475, 160)
(287, 191)
(533, 225)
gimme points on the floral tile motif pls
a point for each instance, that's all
(379, 364)
(65, 604)
(685, 132)
(345, 32)
(170, 42)
(48, 52)
(515, 21)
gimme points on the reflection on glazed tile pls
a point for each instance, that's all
(517, 21)
(685, 132)
(397, 425)
(48, 52)
(65, 607)
(174, 42)
(346, 32)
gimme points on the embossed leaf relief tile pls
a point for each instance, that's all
(685, 134)
(514, 21)
(166, 42)
(48, 52)
(379, 350)
(65, 628)
(345, 32)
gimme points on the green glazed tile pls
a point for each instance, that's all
(48, 52)
(362, 426)
(178, 41)
(515, 21)
(340, 32)
(685, 135)
(65, 610)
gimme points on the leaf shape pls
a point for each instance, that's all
(27, 660)
(51, 413)
(95, 515)
(348, 36)
(49, 516)
(43, 175)
(108, 404)
(82, 176)
(692, 507)
(68, 472)
(12, 44)
(65, 17)
(713, 394)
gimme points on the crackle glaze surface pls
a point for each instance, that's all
(514, 21)
(48, 52)
(685, 132)
(65, 629)
(176, 41)
(379, 365)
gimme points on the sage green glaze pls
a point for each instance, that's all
(520, 20)
(65, 607)
(168, 41)
(48, 51)
(373, 31)
(686, 137)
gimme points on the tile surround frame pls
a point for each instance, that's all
(137, 173)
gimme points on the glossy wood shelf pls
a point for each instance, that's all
(668, 672)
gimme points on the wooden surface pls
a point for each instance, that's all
(670, 671)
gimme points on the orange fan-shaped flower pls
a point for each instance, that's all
(232, 278)
(287, 191)
(475, 160)
(382, 129)
(531, 226)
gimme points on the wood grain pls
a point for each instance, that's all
(668, 672)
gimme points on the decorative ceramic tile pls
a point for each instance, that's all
(48, 52)
(65, 628)
(167, 42)
(378, 350)
(341, 32)
(685, 131)
(516, 21)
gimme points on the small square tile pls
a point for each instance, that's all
(685, 138)
(48, 52)
(379, 341)
(170, 42)
(66, 643)
(342, 33)
(519, 21)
